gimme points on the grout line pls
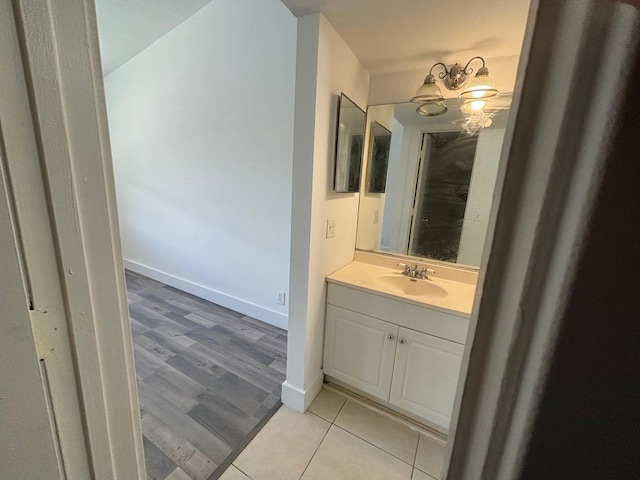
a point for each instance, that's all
(235, 453)
(372, 444)
(415, 456)
(315, 451)
(428, 475)
(386, 412)
(244, 473)
(339, 411)
(334, 418)
(316, 415)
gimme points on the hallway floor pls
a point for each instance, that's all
(208, 379)
(338, 439)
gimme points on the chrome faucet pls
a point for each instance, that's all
(415, 272)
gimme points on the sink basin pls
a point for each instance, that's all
(411, 286)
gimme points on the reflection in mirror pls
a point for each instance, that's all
(440, 181)
(378, 158)
(441, 195)
(349, 142)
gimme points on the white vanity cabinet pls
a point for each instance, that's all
(425, 375)
(360, 350)
(383, 348)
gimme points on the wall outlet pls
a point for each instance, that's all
(282, 298)
(331, 227)
(375, 217)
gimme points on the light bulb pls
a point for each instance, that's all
(480, 86)
(478, 105)
(473, 107)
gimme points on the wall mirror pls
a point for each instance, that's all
(440, 181)
(349, 144)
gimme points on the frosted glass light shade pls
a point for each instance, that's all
(428, 92)
(480, 86)
(432, 109)
(474, 106)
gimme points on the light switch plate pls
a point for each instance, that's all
(331, 227)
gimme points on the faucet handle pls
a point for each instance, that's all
(407, 268)
(425, 272)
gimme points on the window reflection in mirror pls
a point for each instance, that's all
(349, 145)
(439, 183)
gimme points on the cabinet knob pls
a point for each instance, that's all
(390, 337)
(401, 341)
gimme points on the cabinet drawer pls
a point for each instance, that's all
(422, 318)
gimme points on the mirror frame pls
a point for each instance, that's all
(373, 135)
(337, 143)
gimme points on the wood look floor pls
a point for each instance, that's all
(208, 379)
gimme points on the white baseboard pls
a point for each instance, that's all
(228, 301)
(300, 399)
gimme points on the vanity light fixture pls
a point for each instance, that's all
(480, 88)
(430, 98)
(429, 91)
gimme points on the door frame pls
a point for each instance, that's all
(425, 142)
(557, 145)
(58, 55)
(25, 405)
(553, 154)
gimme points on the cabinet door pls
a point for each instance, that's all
(425, 376)
(359, 350)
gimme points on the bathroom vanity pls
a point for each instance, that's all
(398, 340)
(425, 200)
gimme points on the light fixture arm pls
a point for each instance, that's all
(469, 71)
(441, 75)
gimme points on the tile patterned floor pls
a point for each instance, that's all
(337, 439)
(208, 379)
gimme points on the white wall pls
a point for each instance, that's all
(481, 196)
(325, 68)
(371, 209)
(202, 136)
(402, 185)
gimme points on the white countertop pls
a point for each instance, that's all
(364, 276)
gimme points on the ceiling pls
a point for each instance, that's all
(127, 27)
(402, 35)
(386, 35)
